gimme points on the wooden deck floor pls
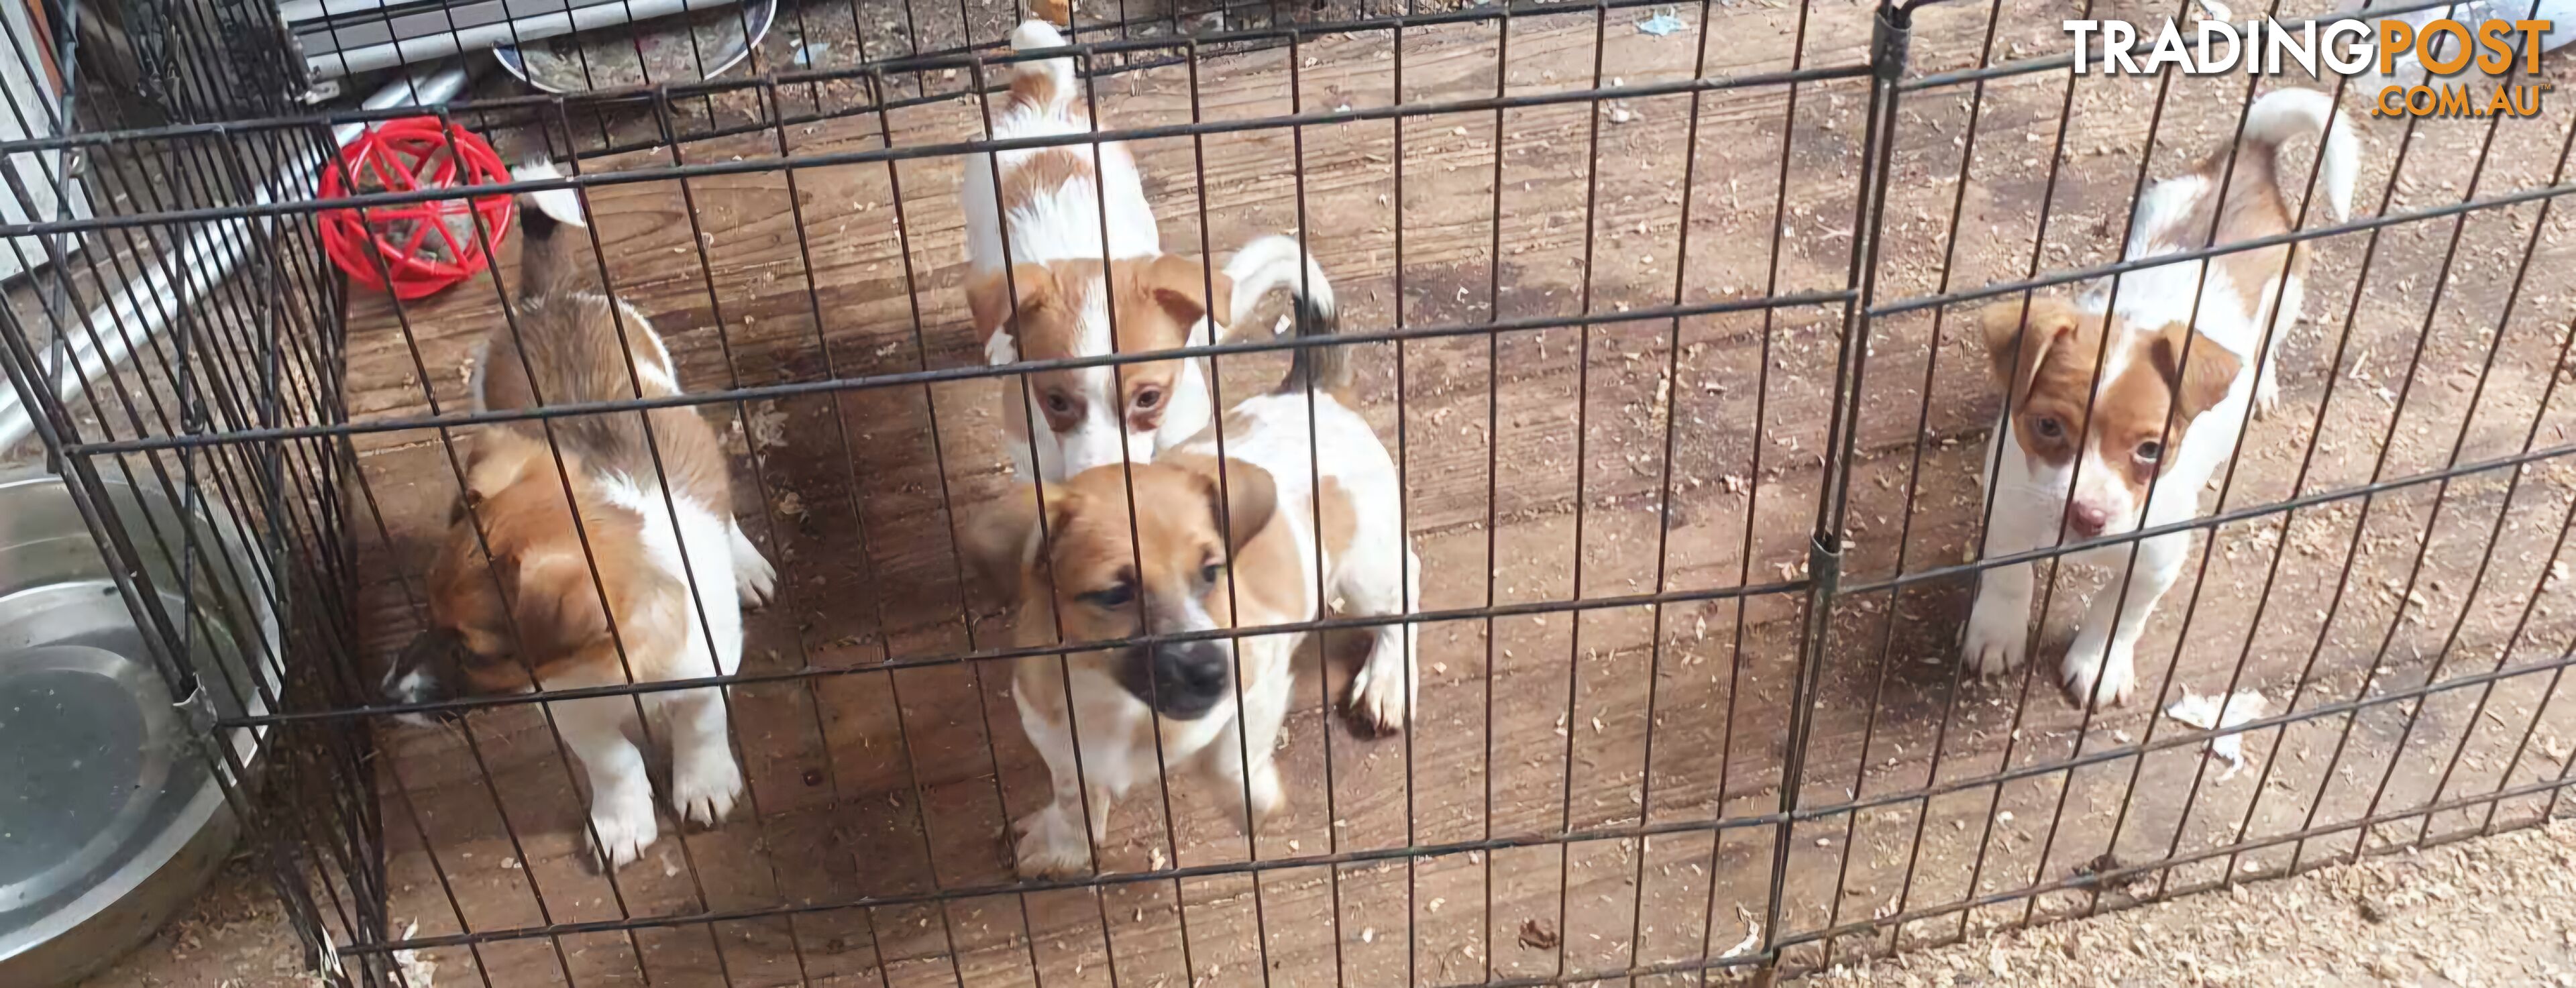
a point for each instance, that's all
(869, 783)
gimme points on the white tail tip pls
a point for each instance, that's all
(561, 205)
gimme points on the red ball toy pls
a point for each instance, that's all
(423, 246)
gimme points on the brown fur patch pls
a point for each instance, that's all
(1152, 306)
(2046, 358)
(1043, 172)
(2160, 383)
(2254, 209)
(530, 607)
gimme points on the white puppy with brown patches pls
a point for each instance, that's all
(2106, 436)
(1242, 542)
(1050, 277)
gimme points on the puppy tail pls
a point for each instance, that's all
(2287, 113)
(548, 261)
(1044, 85)
(1276, 263)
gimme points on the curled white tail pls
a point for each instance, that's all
(1276, 263)
(2287, 113)
(1046, 83)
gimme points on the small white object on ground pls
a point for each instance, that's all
(417, 969)
(2206, 713)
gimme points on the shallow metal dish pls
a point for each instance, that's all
(110, 817)
(726, 33)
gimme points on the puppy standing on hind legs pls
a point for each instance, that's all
(2117, 420)
(584, 578)
(1216, 544)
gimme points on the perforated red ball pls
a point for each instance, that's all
(422, 246)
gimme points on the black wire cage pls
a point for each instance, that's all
(1705, 276)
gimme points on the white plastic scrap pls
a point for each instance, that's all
(1752, 935)
(1664, 23)
(417, 968)
(2206, 713)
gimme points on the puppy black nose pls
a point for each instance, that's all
(1190, 678)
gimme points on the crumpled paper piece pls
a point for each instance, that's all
(2206, 713)
(416, 968)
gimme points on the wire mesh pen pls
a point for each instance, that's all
(1666, 312)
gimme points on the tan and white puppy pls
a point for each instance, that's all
(1215, 704)
(516, 591)
(1064, 282)
(2102, 437)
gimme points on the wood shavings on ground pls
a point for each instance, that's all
(2204, 712)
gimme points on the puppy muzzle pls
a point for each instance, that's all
(421, 675)
(1182, 681)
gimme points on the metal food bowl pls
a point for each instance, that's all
(110, 816)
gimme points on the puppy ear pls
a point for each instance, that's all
(1181, 286)
(2199, 378)
(1002, 541)
(554, 605)
(2019, 336)
(992, 298)
(1243, 503)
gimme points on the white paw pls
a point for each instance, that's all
(2267, 396)
(753, 578)
(1382, 694)
(1265, 792)
(704, 788)
(621, 828)
(1998, 633)
(1051, 845)
(2096, 679)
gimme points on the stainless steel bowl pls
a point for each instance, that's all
(110, 816)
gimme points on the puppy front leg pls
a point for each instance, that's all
(621, 794)
(1252, 740)
(754, 580)
(705, 779)
(1051, 843)
(1383, 694)
(2100, 666)
(1998, 631)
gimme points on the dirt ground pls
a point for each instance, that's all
(2494, 911)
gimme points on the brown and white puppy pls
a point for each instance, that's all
(637, 515)
(1215, 545)
(2105, 437)
(1067, 262)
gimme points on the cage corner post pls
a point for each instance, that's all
(1889, 40)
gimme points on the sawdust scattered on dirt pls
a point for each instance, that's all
(2495, 911)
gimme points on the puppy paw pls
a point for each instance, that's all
(1266, 794)
(2098, 677)
(704, 788)
(1998, 633)
(1381, 696)
(2267, 396)
(754, 580)
(1051, 845)
(620, 830)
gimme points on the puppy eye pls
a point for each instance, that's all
(1116, 596)
(2049, 427)
(1209, 572)
(1147, 399)
(1059, 404)
(2150, 451)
